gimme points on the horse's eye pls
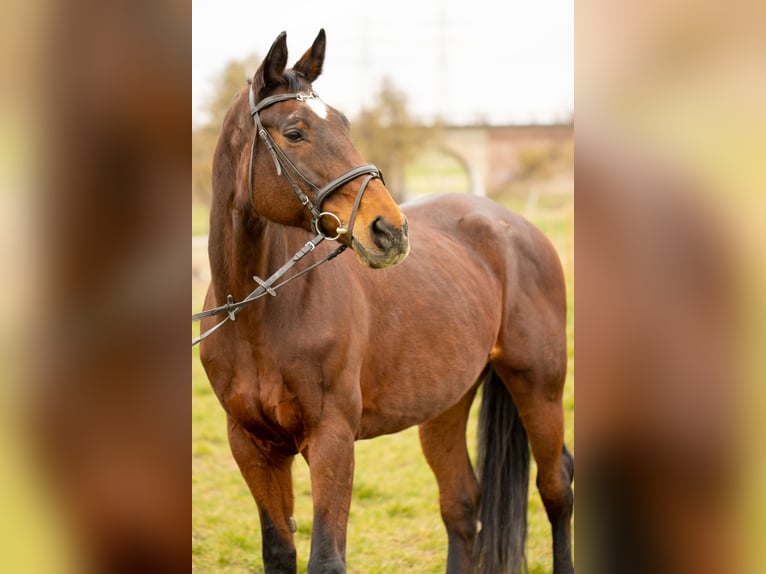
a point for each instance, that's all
(294, 136)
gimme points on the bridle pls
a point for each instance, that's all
(286, 167)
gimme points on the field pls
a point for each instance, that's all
(394, 525)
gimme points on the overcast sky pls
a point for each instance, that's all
(464, 60)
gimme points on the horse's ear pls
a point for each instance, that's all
(310, 64)
(269, 73)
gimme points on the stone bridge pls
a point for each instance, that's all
(491, 154)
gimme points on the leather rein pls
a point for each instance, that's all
(286, 167)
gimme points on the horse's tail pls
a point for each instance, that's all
(503, 464)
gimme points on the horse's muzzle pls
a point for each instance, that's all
(386, 236)
(390, 244)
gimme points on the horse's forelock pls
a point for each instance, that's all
(295, 81)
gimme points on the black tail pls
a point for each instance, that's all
(503, 464)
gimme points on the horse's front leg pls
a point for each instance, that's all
(330, 455)
(269, 476)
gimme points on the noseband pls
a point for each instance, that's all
(285, 166)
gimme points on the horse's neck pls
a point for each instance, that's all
(242, 246)
(242, 243)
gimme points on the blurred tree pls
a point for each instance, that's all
(387, 136)
(205, 135)
(543, 161)
(203, 145)
(535, 162)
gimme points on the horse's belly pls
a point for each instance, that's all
(428, 350)
(411, 395)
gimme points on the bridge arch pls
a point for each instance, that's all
(470, 145)
(434, 170)
(489, 156)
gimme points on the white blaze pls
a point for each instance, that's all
(318, 107)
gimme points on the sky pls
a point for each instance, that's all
(465, 61)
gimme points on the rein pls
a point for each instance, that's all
(286, 167)
(267, 287)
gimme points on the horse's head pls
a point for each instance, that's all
(305, 170)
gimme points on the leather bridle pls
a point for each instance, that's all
(286, 167)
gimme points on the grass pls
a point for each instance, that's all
(394, 525)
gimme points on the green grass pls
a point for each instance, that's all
(394, 525)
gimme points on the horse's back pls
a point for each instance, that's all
(469, 217)
(516, 250)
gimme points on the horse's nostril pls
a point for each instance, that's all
(383, 233)
(381, 226)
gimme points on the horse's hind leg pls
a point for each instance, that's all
(537, 392)
(269, 477)
(444, 445)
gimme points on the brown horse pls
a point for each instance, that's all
(353, 351)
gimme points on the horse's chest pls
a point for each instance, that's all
(266, 407)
